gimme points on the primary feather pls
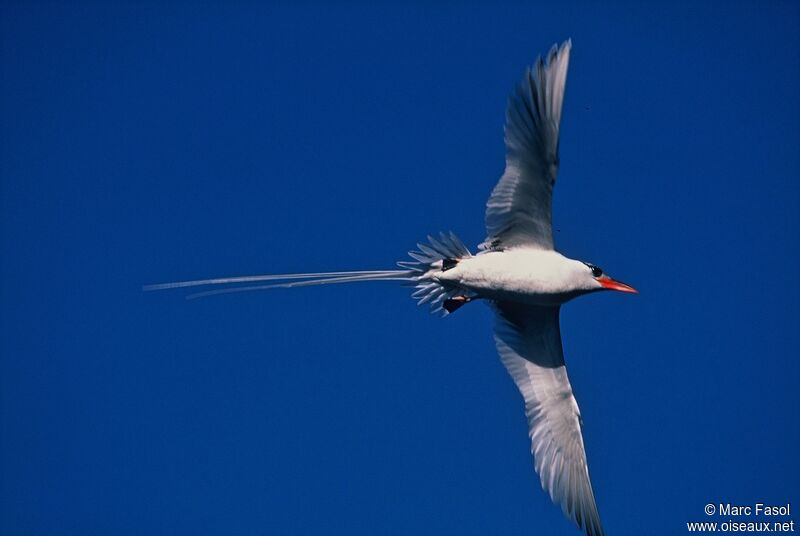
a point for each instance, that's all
(519, 210)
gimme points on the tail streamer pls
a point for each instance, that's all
(438, 255)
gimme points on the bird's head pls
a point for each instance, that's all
(601, 281)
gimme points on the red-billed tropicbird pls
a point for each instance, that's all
(519, 273)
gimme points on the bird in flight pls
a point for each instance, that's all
(518, 272)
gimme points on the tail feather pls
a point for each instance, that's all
(439, 254)
(396, 275)
(255, 278)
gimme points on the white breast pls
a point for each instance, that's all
(535, 276)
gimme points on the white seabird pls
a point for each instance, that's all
(519, 273)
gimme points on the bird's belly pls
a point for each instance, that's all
(498, 279)
(516, 290)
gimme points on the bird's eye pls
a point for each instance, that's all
(596, 270)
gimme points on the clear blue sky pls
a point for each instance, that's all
(142, 144)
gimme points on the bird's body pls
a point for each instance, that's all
(519, 273)
(532, 276)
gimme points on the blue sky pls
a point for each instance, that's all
(142, 143)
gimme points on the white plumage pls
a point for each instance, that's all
(528, 340)
(518, 212)
(519, 273)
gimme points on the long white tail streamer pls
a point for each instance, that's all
(397, 275)
(255, 278)
(420, 273)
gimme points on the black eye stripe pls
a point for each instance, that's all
(596, 270)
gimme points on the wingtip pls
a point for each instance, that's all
(542, 62)
(563, 50)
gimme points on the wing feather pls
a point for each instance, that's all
(519, 210)
(528, 340)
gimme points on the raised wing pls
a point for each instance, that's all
(529, 344)
(519, 210)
